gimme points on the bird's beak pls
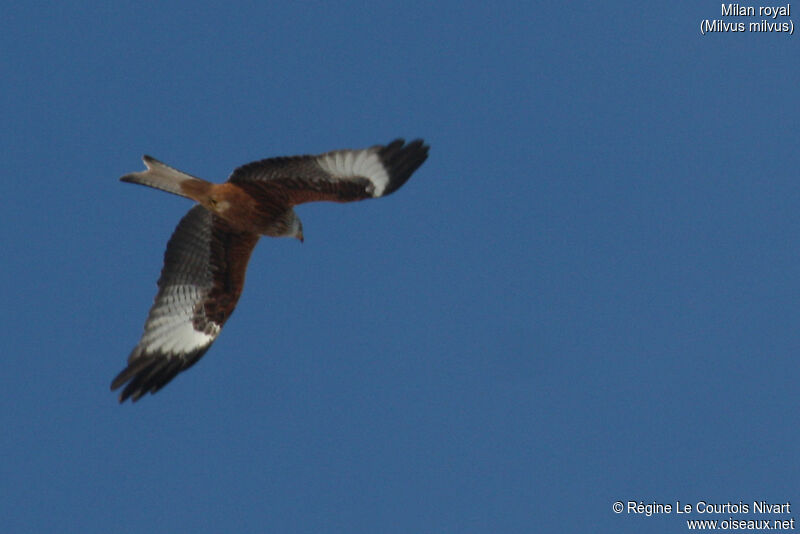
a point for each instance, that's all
(300, 236)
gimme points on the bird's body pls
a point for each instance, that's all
(207, 255)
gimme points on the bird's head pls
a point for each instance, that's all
(296, 228)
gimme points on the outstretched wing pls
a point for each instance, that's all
(200, 284)
(340, 176)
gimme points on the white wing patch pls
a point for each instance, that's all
(352, 163)
(169, 329)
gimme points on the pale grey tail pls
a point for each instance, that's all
(162, 176)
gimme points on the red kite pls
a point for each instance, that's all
(207, 255)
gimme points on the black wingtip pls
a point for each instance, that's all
(401, 159)
(150, 373)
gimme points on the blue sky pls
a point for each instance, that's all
(587, 294)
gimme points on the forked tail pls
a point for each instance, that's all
(164, 177)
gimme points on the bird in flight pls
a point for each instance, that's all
(207, 255)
